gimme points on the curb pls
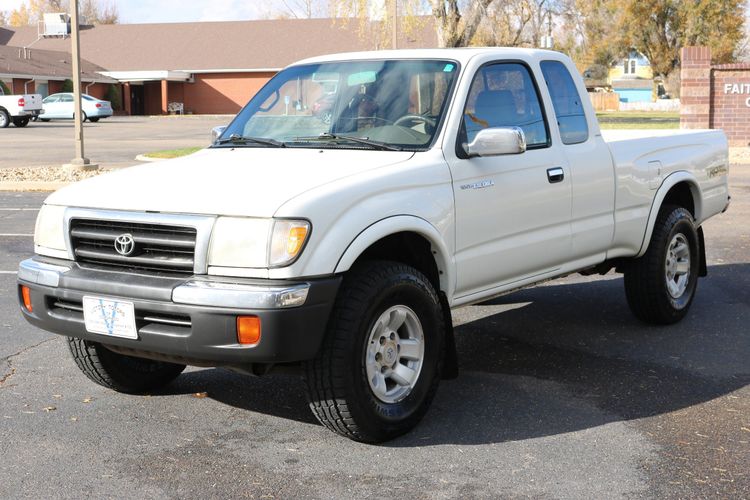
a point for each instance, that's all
(32, 185)
(148, 158)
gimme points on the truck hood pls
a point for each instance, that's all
(251, 182)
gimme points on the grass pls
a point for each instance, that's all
(638, 120)
(172, 153)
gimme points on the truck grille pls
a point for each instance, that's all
(156, 247)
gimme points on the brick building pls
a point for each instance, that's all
(207, 67)
(44, 72)
(715, 96)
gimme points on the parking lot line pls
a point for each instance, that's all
(18, 209)
(15, 234)
(8, 272)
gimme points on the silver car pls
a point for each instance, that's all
(60, 106)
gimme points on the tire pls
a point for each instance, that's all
(4, 119)
(119, 372)
(359, 355)
(21, 122)
(45, 120)
(93, 120)
(661, 284)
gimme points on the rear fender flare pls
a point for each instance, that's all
(671, 181)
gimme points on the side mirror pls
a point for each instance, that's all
(497, 141)
(216, 133)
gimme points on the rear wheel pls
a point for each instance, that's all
(661, 284)
(93, 120)
(379, 366)
(21, 122)
(4, 118)
(119, 372)
(45, 120)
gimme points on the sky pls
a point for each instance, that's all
(168, 11)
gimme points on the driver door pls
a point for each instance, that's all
(513, 212)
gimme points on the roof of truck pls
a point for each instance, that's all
(462, 55)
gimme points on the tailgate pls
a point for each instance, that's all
(31, 102)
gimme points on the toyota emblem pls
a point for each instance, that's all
(125, 244)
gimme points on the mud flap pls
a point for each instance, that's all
(450, 356)
(703, 269)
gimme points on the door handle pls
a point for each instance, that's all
(556, 174)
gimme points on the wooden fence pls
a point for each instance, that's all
(605, 101)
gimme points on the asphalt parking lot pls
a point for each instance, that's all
(112, 142)
(562, 394)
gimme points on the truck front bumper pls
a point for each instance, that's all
(191, 320)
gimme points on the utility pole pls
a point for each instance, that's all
(80, 161)
(395, 24)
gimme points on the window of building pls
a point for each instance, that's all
(504, 95)
(566, 100)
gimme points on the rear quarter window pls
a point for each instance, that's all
(571, 119)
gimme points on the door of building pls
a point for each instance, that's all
(137, 106)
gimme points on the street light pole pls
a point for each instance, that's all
(80, 161)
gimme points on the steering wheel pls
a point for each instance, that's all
(411, 120)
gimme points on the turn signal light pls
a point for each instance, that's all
(248, 330)
(26, 296)
(297, 235)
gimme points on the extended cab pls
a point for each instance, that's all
(340, 242)
(19, 109)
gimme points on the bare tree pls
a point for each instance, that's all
(304, 9)
(99, 11)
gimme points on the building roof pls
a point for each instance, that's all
(633, 84)
(215, 46)
(46, 64)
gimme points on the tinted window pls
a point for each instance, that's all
(66, 98)
(567, 102)
(504, 95)
(52, 98)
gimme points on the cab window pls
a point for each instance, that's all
(504, 95)
(566, 100)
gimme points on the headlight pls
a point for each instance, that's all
(256, 243)
(237, 242)
(50, 230)
(287, 241)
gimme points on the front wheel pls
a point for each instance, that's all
(661, 284)
(21, 122)
(93, 120)
(119, 372)
(378, 369)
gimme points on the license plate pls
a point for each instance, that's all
(114, 318)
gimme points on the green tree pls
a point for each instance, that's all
(67, 85)
(659, 28)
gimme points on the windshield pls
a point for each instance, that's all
(391, 104)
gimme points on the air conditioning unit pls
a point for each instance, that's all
(57, 24)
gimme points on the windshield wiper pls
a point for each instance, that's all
(239, 139)
(325, 136)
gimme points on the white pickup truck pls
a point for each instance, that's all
(19, 109)
(439, 179)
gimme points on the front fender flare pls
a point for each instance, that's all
(403, 224)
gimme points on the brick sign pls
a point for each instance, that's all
(715, 96)
(742, 89)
